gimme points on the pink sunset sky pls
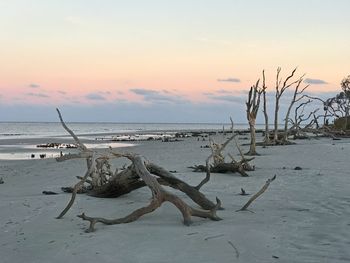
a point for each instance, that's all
(166, 61)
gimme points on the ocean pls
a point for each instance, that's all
(21, 130)
(19, 140)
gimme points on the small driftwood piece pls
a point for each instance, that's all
(49, 193)
(243, 192)
(140, 173)
(260, 192)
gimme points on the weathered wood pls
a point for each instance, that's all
(260, 192)
(296, 97)
(140, 173)
(266, 116)
(237, 167)
(128, 180)
(174, 182)
(279, 92)
(253, 104)
(160, 195)
(223, 167)
(77, 187)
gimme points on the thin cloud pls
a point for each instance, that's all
(95, 96)
(229, 80)
(228, 98)
(38, 95)
(323, 94)
(61, 92)
(224, 91)
(34, 86)
(105, 92)
(144, 92)
(315, 81)
(154, 96)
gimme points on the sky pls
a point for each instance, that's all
(162, 60)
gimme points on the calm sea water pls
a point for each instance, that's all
(18, 139)
(17, 130)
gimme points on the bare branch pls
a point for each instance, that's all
(78, 186)
(80, 145)
(260, 192)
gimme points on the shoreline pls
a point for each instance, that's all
(302, 217)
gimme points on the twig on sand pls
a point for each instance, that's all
(260, 192)
(234, 247)
(207, 238)
(193, 233)
(243, 192)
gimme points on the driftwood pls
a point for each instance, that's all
(159, 195)
(240, 167)
(260, 192)
(219, 165)
(102, 182)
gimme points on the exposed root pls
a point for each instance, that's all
(102, 182)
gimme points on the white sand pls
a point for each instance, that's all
(303, 217)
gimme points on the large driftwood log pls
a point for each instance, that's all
(103, 183)
(159, 195)
(128, 180)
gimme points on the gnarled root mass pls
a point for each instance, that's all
(240, 168)
(100, 181)
(220, 166)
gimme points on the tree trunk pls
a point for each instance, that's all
(275, 134)
(267, 137)
(285, 133)
(252, 148)
(346, 118)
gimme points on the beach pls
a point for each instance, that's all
(302, 217)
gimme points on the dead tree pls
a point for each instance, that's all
(102, 182)
(253, 104)
(329, 110)
(266, 116)
(296, 97)
(300, 117)
(280, 89)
